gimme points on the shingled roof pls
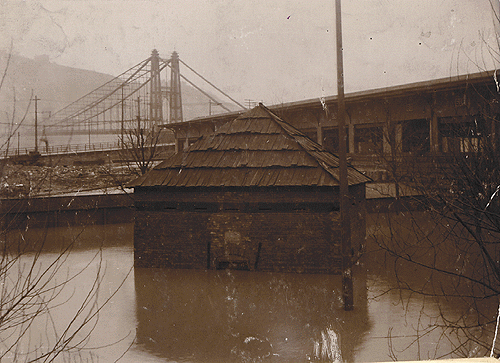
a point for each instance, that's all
(257, 149)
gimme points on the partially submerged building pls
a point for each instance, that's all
(256, 194)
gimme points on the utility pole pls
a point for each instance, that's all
(36, 99)
(210, 103)
(345, 225)
(123, 120)
(138, 116)
(251, 103)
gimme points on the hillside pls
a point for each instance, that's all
(57, 86)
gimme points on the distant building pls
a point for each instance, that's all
(432, 118)
(255, 194)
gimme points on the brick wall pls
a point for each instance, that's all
(273, 230)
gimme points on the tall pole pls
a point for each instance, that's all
(123, 120)
(36, 99)
(345, 227)
(138, 116)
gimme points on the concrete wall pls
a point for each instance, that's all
(94, 157)
(287, 231)
(65, 211)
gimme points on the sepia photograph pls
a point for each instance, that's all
(249, 181)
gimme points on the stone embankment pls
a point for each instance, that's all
(61, 195)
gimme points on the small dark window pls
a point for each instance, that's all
(232, 207)
(204, 207)
(170, 206)
(265, 207)
(149, 206)
(300, 208)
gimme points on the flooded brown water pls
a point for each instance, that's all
(161, 315)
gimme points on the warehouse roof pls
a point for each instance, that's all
(257, 149)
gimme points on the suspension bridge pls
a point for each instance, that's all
(146, 96)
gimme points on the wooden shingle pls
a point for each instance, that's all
(257, 149)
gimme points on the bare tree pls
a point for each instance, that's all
(452, 243)
(141, 147)
(34, 284)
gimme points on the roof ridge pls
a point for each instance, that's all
(286, 127)
(312, 153)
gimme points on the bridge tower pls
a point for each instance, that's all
(156, 100)
(175, 98)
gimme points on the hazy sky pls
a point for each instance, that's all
(274, 51)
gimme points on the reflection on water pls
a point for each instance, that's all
(84, 237)
(163, 315)
(328, 348)
(214, 316)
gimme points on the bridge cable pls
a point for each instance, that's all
(141, 64)
(103, 98)
(205, 93)
(203, 78)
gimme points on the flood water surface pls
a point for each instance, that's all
(161, 315)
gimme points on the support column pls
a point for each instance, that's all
(386, 139)
(177, 145)
(398, 137)
(434, 133)
(156, 102)
(351, 149)
(175, 99)
(433, 127)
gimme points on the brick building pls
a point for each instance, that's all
(256, 194)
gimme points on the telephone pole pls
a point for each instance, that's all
(122, 131)
(210, 103)
(345, 225)
(36, 99)
(138, 116)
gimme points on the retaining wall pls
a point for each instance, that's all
(66, 211)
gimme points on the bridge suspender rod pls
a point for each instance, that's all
(127, 82)
(101, 99)
(140, 65)
(203, 78)
(206, 94)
